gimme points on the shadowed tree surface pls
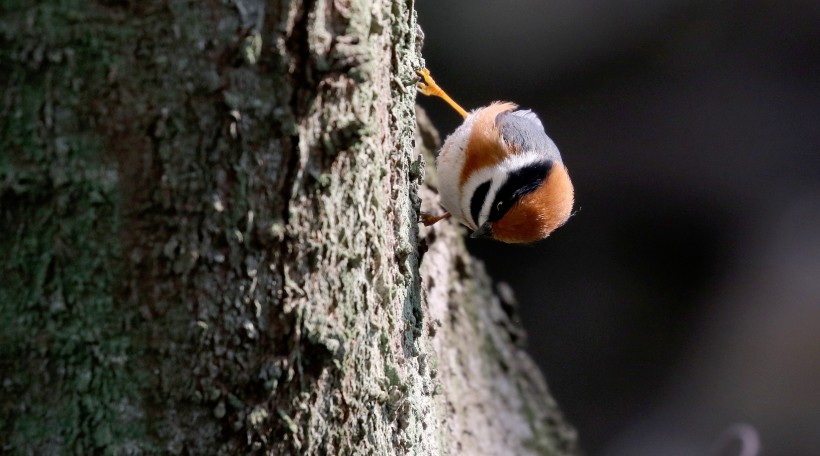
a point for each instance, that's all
(208, 215)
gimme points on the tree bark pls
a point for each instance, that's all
(209, 227)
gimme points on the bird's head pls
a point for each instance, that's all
(529, 204)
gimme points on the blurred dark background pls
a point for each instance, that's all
(684, 296)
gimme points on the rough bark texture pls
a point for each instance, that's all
(208, 215)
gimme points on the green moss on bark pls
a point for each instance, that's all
(66, 351)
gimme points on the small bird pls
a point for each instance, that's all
(499, 173)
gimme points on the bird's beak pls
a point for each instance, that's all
(483, 231)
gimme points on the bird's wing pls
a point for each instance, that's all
(524, 131)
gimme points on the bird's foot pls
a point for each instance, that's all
(429, 219)
(429, 86)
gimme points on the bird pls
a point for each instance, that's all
(499, 173)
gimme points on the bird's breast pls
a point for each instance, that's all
(485, 147)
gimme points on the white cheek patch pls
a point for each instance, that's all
(470, 187)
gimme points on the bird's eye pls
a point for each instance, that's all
(499, 205)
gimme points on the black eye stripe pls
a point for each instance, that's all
(477, 201)
(519, 183)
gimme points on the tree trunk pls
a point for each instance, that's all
(210, 242)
